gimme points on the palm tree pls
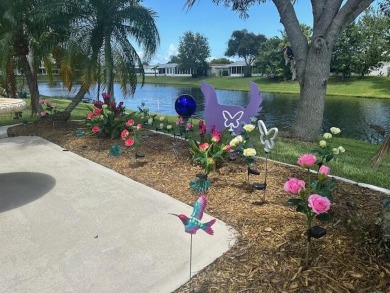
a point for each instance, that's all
(29, 30)
(106, 28)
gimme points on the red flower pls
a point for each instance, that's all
(95, 129)
(125, 133)
(204, 146)
(130, 122)
(97, 112)
(129, 142)
(90, 116)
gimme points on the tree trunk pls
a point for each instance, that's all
(32, 85)
(313, 85)
(76, 100)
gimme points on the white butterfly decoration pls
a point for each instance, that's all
(232, 121)
(267, 137)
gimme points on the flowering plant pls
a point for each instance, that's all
(184, 126)
(50, 108)
(314, 197)
(130, 134)
(211, 150)
(242, 144)
(327, 152)
(106, 118)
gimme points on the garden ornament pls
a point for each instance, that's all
(267, 137)
(228, 116)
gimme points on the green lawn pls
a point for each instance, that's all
(375, 87)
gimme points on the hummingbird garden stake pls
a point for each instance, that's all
(193, 224)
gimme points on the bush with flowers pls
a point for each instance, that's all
(210, 152)
(313, 198)
(327, 151)
(130, 134)
(107, 118)
(49, 109)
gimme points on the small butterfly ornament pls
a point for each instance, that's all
(267, 137)
(232, 121)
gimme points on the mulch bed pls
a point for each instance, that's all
(269, 253)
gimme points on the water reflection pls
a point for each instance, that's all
(353, 115)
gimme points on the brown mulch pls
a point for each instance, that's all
(270, 251)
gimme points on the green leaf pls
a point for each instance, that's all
(294, 201)
(329, 157)
(325, 217)
(301, 209)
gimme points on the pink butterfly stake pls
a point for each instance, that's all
(193, 224)
(229, 116)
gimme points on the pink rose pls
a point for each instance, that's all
(227, 148)
(294, 185)
(319, 204)
(129, 142)
(323, 172)
(97, 112)
(307, 160)
(204, 146)
(139, 126)
(130, 122)
(43, 114)
(41, 101)
(125, 133)
(89, 116)
(189, 126)
(95, 129)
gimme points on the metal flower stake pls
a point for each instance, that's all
(193, 224)
(267, 138)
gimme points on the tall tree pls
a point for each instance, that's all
(245, 45)
(312, 58)
(107, 29)
(193, 51)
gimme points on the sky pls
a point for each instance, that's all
(215, 22)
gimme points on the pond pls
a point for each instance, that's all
(357, 117)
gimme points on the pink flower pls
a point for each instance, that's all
(125, 133)
(41, 101)
(204, 146)
(319, 204)
(180, 121)
(139, 126)
(294, 185)
(227, 148)
(189, 126)
(202, 128)
(95, 129)
(323, 172)
(48, 102)
(97, 112)
(90, 116)
(43, 114)
(129, 142)
(215, 138)
(130, 122)
(307, 160)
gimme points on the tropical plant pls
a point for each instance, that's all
(104, 30)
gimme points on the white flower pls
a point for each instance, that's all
(239, 138)
(249, 152)
(248, 127)
(341, 149)
(104, 106)
(161, 125)
(234, 142)
(335, 130)
(327, 135)
(322, 143)
(335, 151)
(162, 118)
(150, 121)
(169, 127)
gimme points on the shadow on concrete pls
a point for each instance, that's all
(20, 188)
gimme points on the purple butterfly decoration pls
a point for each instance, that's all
(230, 116)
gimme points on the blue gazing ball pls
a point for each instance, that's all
(185, 106)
